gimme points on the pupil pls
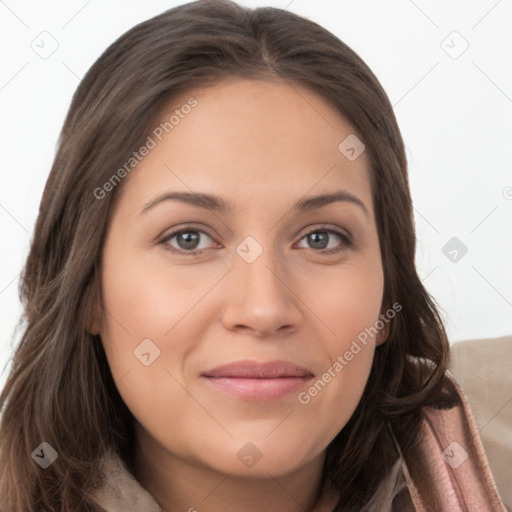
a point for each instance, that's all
(319, 237)
(188, 239)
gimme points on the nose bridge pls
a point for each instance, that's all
(260, 269)
(262, 299)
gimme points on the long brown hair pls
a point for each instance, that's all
(60, 389)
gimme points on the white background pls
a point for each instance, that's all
(455, 115)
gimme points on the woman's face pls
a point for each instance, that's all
(249, 285)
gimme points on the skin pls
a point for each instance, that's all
(262, 146)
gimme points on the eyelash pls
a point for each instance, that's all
(347, 241)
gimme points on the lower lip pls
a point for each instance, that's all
(260, 390)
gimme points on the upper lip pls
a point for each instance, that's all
(254, 370)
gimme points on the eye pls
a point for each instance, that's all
(188, 240)
(320, 238)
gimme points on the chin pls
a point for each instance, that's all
(259, 458)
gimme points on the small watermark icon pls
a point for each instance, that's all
(507, 193)
(45, 45)
(249, 455)
(351, 147)
(146, 352)
(454, 45)
(249, 249)
(45, 455)
(454, 249)
(454, 455)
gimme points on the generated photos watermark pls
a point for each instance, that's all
(151, 142)
(304, 397)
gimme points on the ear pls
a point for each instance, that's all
(94, 325)
(383, 322)
(94, 316)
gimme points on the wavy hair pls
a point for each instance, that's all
(60, 389)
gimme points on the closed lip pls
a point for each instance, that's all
(247, 369)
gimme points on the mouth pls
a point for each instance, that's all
(255, 381)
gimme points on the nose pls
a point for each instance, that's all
(261, 298)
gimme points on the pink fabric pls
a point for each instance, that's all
(454, 459)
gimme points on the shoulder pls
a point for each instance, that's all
(120, 491)
(482, 368)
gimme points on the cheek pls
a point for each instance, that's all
(144, 301)
(336, 390)
(335, 395)
(349, 310)
(143, 337)
(347, 302)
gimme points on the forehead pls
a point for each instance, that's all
(248, 139)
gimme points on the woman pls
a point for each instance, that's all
(222, 308)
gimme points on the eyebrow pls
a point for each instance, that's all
(217, 204)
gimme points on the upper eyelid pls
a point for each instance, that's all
(329, 228)
(184, 229)
(304, 231)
